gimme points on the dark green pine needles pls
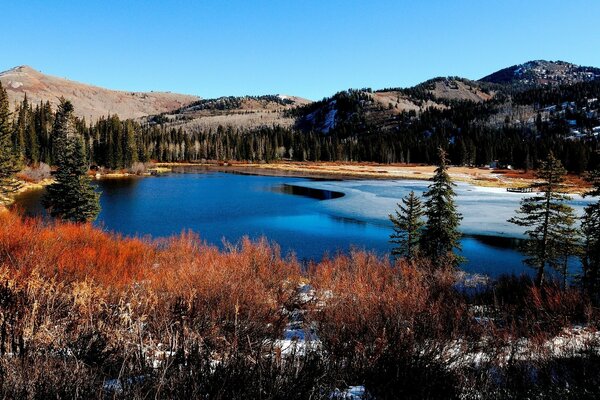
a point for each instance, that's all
(590, 227)
(71, 197)
(408, 223)
(9, 162)
(552, 237)
(441, 235)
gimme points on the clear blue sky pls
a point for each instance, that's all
(306, 48)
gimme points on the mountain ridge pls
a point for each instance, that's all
(544, 73)
(90, 101)
(380, 107)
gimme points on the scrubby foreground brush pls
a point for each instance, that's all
(87, 314)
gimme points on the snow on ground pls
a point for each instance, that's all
(485, 210)
(351, 393)
(330, 119)
(571, 342)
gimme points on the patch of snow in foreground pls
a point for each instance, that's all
(297, 341)
(351, 393)
(570, 343)
(116, 385)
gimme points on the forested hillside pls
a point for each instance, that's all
(477, 122)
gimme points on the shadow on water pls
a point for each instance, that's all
(29, 203)
(318, 194)
(500, 242)
(122, 185)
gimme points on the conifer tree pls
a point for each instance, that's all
(567, 243)
(20, 130)
(129, 145)
(440, 235)
(408, 224)
(590, 255)
(549, 221)
(71, 197)
(9, 164)
(32, 147)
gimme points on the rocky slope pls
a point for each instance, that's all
(90, 101)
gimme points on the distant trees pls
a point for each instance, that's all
(71, 197)
(408, 224)
(549, 222)
(440, 235)
(9, 164)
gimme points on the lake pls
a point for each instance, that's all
(305, 216)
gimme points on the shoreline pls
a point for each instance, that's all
(476, 176)
(25, 187)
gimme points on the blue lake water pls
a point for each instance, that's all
(308, 217)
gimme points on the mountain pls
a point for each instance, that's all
(245, 112)
(365, 109)
(543, 73)
(505, 95)
(91, 102)
(513, 118)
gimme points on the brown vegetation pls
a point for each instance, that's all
(84, 313)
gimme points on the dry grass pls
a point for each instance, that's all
(176, 318)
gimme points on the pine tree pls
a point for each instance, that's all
(590, 254)
(440, 235)
(71, 197)
(408, 224)
(32, 147)
(129, 145)
(548, 219)
(9, 164)
(567, 244)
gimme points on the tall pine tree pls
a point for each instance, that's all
(590, 255)
(408, 224)
(9, 164)
(71, 197)
(440, 235)
(548, 219)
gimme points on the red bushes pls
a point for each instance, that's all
(199, 321)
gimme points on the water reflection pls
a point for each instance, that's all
(348, 220)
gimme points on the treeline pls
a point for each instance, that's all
(544, 96)
(462, 130)
(232, 102)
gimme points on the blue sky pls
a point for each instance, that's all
(306, 48)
